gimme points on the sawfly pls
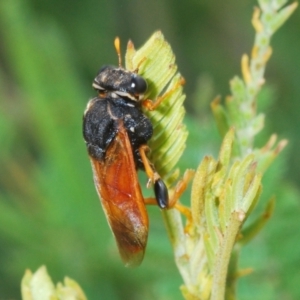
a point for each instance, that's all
(116, 132)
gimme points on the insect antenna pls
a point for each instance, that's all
(118, 49)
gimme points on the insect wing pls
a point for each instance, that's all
(117, 185)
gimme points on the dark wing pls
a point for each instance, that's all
(117, 185)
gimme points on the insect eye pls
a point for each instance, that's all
(138, 85)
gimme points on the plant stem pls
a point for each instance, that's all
(223, 257)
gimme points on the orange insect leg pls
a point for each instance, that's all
(150, 105)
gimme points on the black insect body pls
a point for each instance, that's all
(101, 123)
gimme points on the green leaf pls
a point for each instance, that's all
(39, 286)
(156, 63)
(220, 116)
(279, 19)
(255, 227)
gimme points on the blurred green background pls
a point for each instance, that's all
(50, 52)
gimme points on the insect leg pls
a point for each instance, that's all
(174, 199)
(160, 189)
(178, 191)
(181, 187)
(153, 175)
(150, 105)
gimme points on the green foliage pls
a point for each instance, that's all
(170, 134)
(40, 286)
(226, 191)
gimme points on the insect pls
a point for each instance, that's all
(116, 133)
